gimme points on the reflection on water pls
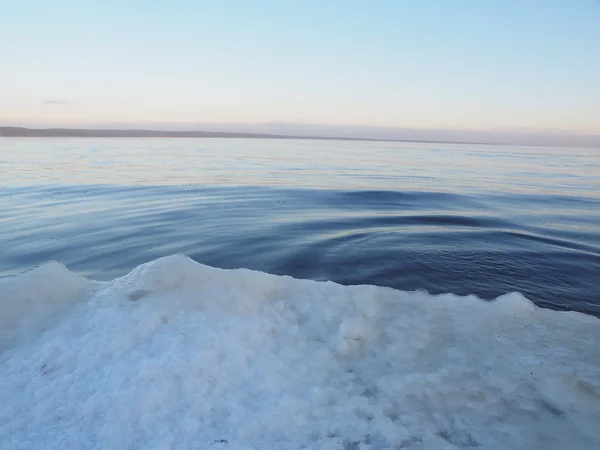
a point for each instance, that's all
(444, 217)
(315, 164)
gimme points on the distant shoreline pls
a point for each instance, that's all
(112, 133)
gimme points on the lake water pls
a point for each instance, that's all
(163, 351)
(465, 219)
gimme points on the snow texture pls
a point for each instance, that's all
(177, 355)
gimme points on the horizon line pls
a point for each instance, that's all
(76, 132)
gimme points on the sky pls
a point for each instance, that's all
(452, 66)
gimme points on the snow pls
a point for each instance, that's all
(178, 355)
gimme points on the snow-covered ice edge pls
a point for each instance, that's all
(179, 355)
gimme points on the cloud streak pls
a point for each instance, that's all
(59, 102)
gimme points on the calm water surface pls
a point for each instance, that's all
(467, 219)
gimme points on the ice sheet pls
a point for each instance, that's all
(179, 355)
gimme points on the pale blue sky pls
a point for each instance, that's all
(458, 64)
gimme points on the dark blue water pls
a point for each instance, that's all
(465, 219)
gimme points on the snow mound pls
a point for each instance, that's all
(178, 355)
(32, 299)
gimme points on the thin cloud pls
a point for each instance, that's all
(59, 102)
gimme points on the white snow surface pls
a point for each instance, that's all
(178, 355)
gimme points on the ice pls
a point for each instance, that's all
(31, 299)
(178, 355)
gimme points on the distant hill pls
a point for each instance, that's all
(92, 133)
(74, 132)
